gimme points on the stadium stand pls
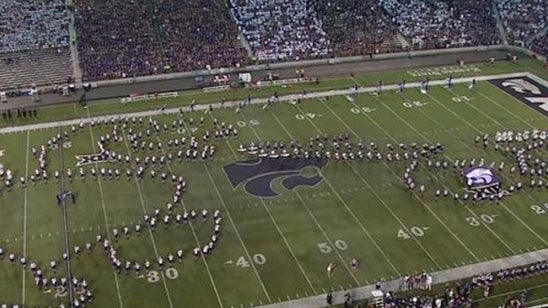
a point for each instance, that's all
(34, 41)
(143, 37)
(116, 39)
(431, 24)
(357, 27)
(196, 34)
(522, 19)
(540, 45)
(280, 30)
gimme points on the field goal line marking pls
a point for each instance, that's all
(256, 101)
(25, 216)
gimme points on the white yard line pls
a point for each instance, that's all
(479, 131)
(274, 221)
(448, 158)
(377, 195)
(25, 216)
(193, 231)
(285, 98)
(439, 278)
(101, 194)
(331, 243)
(244, 247)
(237, 232)
(152, 239)
(368, 235)
(416, 196)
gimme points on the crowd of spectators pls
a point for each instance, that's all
(540, 45)
(443, 24)
(522, 19)
(197, 34)
(355, 27)
(119, 39)
(116, 39)
(33, 25)
(279, 30)
(460, 294)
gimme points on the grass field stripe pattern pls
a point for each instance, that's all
(168, 165)
(502, 126)
(107, 225)
(368, 235)
(418, 197)
(428, 140)
(303, 203)
(376, 194)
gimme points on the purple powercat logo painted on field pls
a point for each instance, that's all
(481, 177)
(526, 90)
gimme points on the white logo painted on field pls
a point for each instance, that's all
(522, 86)
(541, 101)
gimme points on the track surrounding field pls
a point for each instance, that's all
(275, 249)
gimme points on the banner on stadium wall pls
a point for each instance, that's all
(146, 97)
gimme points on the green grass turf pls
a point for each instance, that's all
(271, 249)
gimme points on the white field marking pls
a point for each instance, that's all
(274, 221)
(481, 221)
(25, 215)
(92, 139)
(152, 239)
(416, 196)
(502, 203)
(284, 128)
(236, 231)
(377, 195)
(234, 226)
(368, 235)
(168, 165)
(285, 98)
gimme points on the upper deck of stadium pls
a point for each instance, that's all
(58, 41)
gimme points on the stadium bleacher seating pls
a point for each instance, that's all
(144, 37)
(34, 37)
(443, 24)
(522, 19)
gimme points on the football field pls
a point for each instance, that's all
(282, 219)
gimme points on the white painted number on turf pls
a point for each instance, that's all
(251, 122)
(60, 291)
(413, 104)
(326, 248)
(413, 231)
(540, 209)
(153, 277)
(257, 258)
(2, 152)
(309, 115)
(486, 218)
(172, 273)
(459, 99)
(355, 110)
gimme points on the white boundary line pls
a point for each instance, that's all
(285, 98)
